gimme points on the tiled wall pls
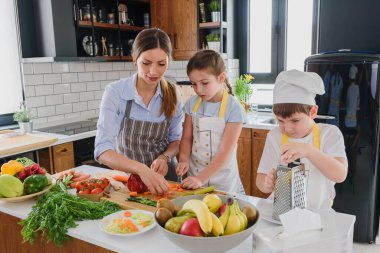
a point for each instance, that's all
(60, 90)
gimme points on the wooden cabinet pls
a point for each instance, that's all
(250, 148)
(244, 158)
(57, 158)
(179, 20)
(258, 143)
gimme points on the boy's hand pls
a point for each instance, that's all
(292, 151)
(270, 181)
(191, 183)
(182, 168)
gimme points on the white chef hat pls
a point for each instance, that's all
(294, 86)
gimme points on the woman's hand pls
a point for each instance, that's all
(191, 183)
(269, 181)
(155, 182)
(182, 168)
(160, 166)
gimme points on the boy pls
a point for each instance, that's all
(319, 146)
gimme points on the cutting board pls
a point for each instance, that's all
(120, 197)
(11, 143)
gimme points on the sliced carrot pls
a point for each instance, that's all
(133, 194)
(127, 214)
(180, 189)
(147, 193)
(120, 178)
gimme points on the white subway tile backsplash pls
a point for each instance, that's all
(78, 87)
(69, 77)
(44, 90)
(98, 94)
(55, 118)
(42, 68)
(72, 115)
(29, 91)
(93, 86)
(86, 96)
(91, 66)
(79, 107)
(129, 66)
(46, 111)
(118, 66)
(54, 99)
(105, 66)
(60, 67)
(85, 77)
(35, 101)
(112, 75)
(39, 120)
(61, 88)
(70, 98)
(27, 68)
(98, 76)
(33, 79)
(93, 104)
(65, 108)
(76, 66)
(52, 78)
(124, 74)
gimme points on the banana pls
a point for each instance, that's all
(224, 218)
(243, 215)
(217, 226)
(241, 218)
(233, 225)
(201, 211)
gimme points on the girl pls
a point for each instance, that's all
(213, 122)
(140, 118)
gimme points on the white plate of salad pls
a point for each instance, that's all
(127, 222)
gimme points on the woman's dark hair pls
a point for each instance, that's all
(210, 60)
(286, 110)
(153, 38)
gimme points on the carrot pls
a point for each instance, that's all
(133, 194)
(120, 178)
(81, 178)
(180, 189)
(127, 214)
(147, 193)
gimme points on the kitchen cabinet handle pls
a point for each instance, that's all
(175, 40)
(255, 134)
(64, 150)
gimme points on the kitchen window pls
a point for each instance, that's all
(282, 34)
(10, 67)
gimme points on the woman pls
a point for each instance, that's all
(140, 117)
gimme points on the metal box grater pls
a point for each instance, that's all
(290, 188)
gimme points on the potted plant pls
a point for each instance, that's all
(24, 119)
(214, 7)
(213, 41)
(244, 89)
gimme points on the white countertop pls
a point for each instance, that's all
(89, 231)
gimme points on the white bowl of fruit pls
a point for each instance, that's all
(206, 223)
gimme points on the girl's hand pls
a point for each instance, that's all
(160, 166)
(294, 150)
(191, 183)
(182, 168)
(155, 182)
(270, 181)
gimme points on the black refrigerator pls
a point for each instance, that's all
(351, 102)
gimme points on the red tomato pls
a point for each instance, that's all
(96, 190)
(84, 191)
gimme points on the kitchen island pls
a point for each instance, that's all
(87, 237)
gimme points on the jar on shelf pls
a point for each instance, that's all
(87, 13)
(111, 18)
(110, 50)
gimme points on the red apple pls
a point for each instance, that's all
(222, 209)
(135, 184)
(191, 227)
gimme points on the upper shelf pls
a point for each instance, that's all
(212, 25)
(89, 24)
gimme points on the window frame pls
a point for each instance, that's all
(279, 25)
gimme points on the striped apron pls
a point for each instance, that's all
(144, 141)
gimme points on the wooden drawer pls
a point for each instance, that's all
(246, 133)
(63, 157)
(259, 133)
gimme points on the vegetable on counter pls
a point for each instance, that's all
(11, 168)
(57, 211)
(208, 189)
(35, 183)
(10, 186)
(143, 200)
(25, 161)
